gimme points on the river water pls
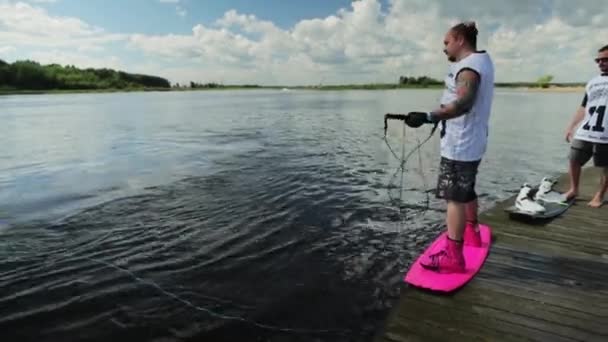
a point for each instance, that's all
(254, 215)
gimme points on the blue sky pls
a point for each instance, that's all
(302, 42)
(155, 17)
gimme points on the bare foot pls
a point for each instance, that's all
(596, 202)
(571, 194)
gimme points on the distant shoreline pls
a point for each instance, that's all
(20, 77)
(559, 88)
(217, 88)
(569, 89)
(75, 91)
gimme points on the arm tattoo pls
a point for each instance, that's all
(467, 91)
(467, 86)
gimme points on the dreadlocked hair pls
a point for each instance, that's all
(467, 30)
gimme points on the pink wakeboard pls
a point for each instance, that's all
(474, 258)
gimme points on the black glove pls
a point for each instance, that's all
(417, 119)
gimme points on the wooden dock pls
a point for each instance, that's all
(544, 282)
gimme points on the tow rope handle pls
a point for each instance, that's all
(390, 116)
(402, 117)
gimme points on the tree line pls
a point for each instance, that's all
(542, 82)
(421, 80)
(213, 85)
(30, 75)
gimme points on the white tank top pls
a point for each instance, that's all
(594, 127)
(466, 136)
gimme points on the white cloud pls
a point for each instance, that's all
(355, 45)
(23, 18)
(53, 39)
(78, 59)
(6, 50)
(367, 42)
(180, 11)
(26, 25)
(554, 47)
(43, 1)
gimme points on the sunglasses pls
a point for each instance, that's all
(603, 59)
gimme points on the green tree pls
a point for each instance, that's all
(31, 75)
(4, 73)
(544, 81)
(422, 80)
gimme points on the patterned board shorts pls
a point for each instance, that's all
(457, 180)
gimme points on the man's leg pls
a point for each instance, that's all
(472, 236)
(456, 220)
(457, 186)
(471, 209)
(600, 159)
(598, 199)
(462, 201)
(574, 172)
(580, 153)
(452, 179)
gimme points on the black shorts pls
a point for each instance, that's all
(581, 151)
(457, 180)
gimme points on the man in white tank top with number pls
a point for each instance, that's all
(591, 138)
(464, 114)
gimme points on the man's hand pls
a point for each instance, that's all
(417, 119)
(576, 120)
(569, 132)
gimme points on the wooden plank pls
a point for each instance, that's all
(447, 325)
(518, 242)
(567, 241)
(555, 265)
(490, 309)
(539, 244)
(408, 329)
(581, 322)
(529, 277)
(450, 318)
(544, 282)
(568, 298)
(551, 233)
(571, 301)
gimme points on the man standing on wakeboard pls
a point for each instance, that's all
(463, 114)
(591, 139)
